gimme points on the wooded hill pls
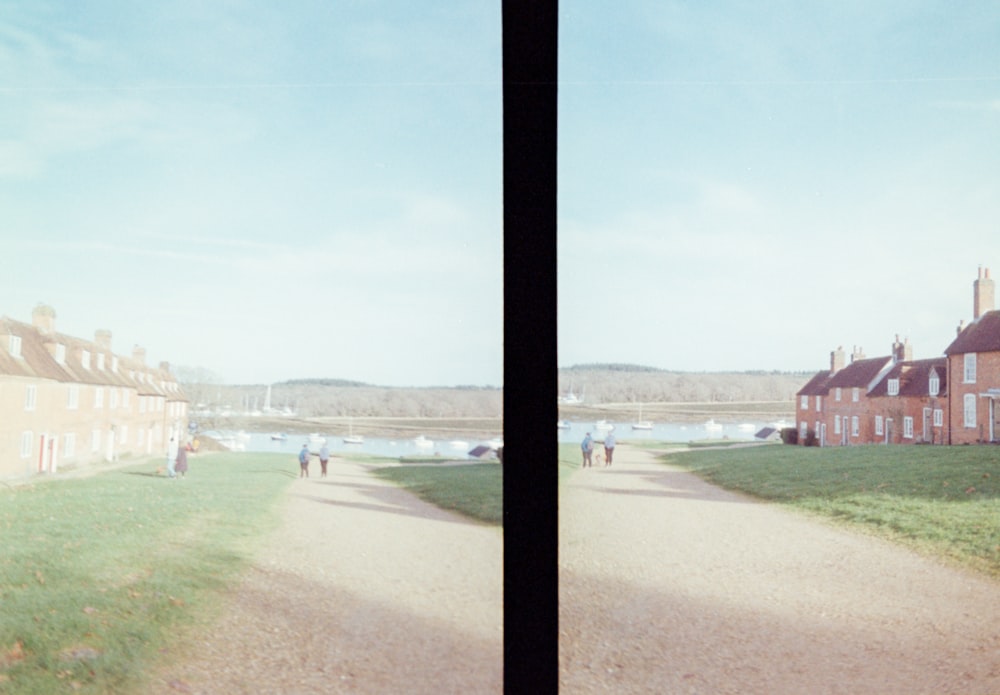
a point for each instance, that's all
(623, 383)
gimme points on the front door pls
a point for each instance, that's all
(843, 431)
(926, 434)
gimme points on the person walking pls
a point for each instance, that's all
(324, 457)
(172, 457)
(609, 448)
(182, 461)
(587, 446)
(304, 461)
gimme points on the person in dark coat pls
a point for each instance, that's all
(181, 463)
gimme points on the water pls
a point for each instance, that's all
(374, 446)
(665, 431)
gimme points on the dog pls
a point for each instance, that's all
(600, 458)
(161, 470)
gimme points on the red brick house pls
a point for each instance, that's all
(848, 411)
(908, 405)
(974, 371)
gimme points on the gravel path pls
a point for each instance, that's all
(669, 584)
(363, 589)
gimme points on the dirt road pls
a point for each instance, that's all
(363, 589)
(671, 585)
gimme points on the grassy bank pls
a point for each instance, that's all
(98, 574)
(943, 500)
(475, 490)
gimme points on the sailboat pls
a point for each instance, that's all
(642, 424)
(352, 438)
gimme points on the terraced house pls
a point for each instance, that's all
(67, 401)
(898, 400)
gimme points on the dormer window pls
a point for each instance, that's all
(15, 346)
(85, 359)
(100, 361)
(61, 353)
(893, 387)
(114, 364)
(934, 385)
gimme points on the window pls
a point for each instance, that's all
(938, 417)
(893, 387)
(15, 346)
(26, 439)
(854, 394)
(804, 402)
(95, 441)
(99, 397)
(61, 353)
(141, 437)
(934, 385)
(142, 404)
(85, 359)
(854, 426)
(969, 419)
(878, 425)
(803, 428)
(73, 397)
(124, 434)
(819, 400)
(836, 425)
(837, 394)
(969, 373)
(125, 398)
(113, 399)
(69, 446)
(100, 361)
(114, 363)
(908, 427)
(30, 397)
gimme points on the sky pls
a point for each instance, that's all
(748, 186)
(266, 191)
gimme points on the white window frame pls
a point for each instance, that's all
(879, 425)
(855, 394)
(819, 403)
(27, 443)
(804, 402)
(123, 430)
(969, 368)
(85, 359)
(934, 385)
(69, 445)
(113, 398)
(125, 398)
(30, 397)
(73, 397)
(893, 387)
(15, 346)
(938, 417)
(61, 353)
(95, 441)
(855, 428)
(969, 411)
(836, 394)
(100, 361)
(114, 363)
(99, 397)
(836, 425)
(908, 427)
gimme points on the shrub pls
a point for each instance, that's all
(790, 435)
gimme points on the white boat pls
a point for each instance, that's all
(458, 444)
(316, 442)
(712, 426)
(495, 443)
(423, 442)
(746, 427)
(563, 425)
(642, 424)
(603, 426)
(278, 436)
(352, 438)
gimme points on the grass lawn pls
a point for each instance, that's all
(475, 490)
(942, 500)
(99, 574)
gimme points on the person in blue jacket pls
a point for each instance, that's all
(304, 461)
(587, 446)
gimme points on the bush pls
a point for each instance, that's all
(790, 435)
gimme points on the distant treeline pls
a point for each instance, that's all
(619, 383)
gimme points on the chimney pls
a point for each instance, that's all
(44, 319)
(982, 293)
(961, 327)
(902, 352)
(103, 339)
(838, 358)
(858, 354)
(139, 354)
(164, 366)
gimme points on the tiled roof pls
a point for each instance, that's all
(817, 386)
(914, 377)
(859, 373)
(982, 335)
